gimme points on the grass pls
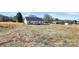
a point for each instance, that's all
(42, 36)
(7, 23)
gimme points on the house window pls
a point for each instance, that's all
(34, 22)
(28, 21)
(41, 21)
(31, 21)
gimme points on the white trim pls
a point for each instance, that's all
(25, 21)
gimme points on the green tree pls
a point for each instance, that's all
(75, 21)
(56, 19)
(19, 17)
(32, 16)
(47, 18)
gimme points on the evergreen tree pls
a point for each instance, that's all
(19, 17)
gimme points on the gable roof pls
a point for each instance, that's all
(34, 19)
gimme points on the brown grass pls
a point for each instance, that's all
(7, 24)
(41, 36)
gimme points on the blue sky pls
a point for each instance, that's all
(60, 15)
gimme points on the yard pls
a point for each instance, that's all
(40, 36)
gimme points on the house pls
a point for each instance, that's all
(33, 20)
(58, 22)
(64, 22)
(77, 22)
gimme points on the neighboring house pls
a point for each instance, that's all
(77, 22)
(33, 20)
(64, 22)
(58, 22)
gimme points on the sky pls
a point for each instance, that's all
(60, 15)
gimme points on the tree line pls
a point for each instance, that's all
(47, 18)
(19, 18)
(6, 18)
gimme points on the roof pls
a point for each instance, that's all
(34, 19)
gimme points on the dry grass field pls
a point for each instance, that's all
(40, 36)
(7, 24)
